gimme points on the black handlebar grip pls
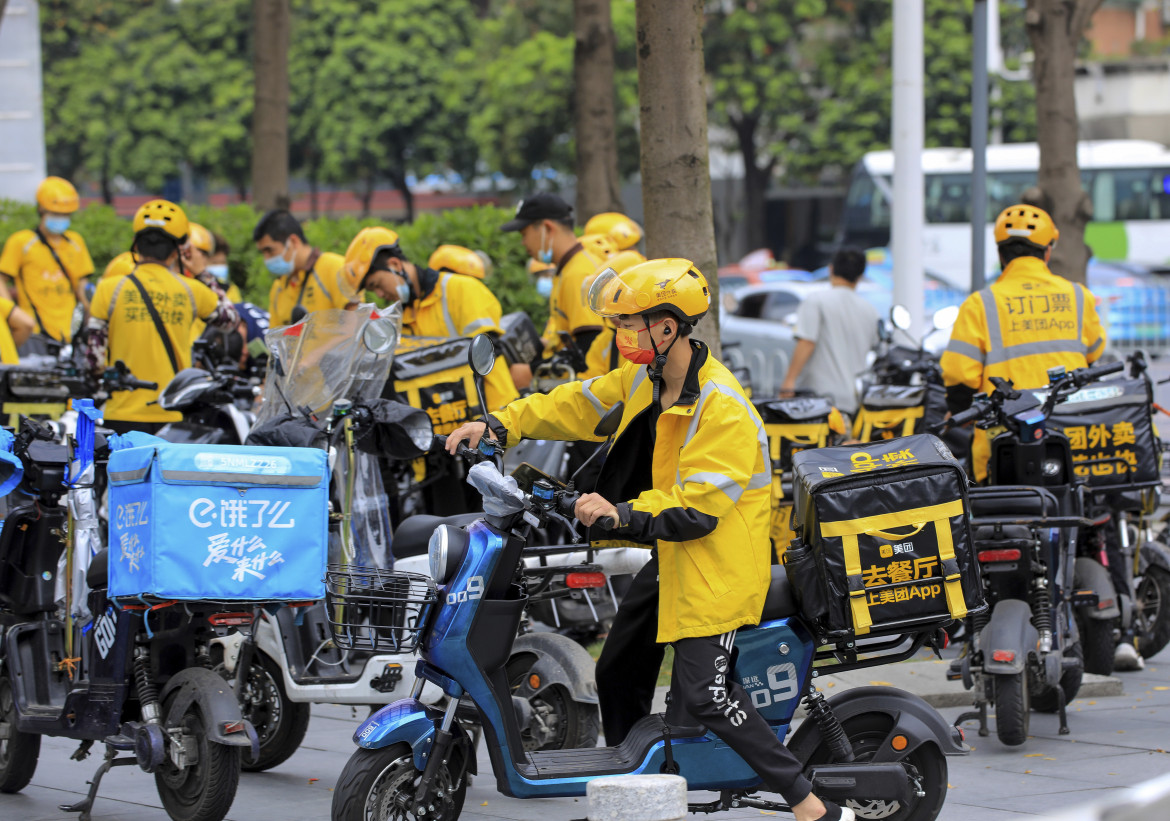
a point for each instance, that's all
(605, 523)
(1105, 370)
(963, 417)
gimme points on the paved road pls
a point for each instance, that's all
(1115, 742)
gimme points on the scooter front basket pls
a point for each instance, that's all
(377, 610)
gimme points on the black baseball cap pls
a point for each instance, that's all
(542, 206)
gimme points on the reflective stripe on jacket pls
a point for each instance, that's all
(709, 502)
(1026, 322)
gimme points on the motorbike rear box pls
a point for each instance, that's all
(884, 545)
(218, 522)
(434, 376)
(1110, 429)
(890, 411)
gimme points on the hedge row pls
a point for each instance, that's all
(108, 235)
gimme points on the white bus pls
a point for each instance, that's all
(1128, 180)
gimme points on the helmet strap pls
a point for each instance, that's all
(656, 367)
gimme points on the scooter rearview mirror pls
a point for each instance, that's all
(607, 426)
(900, 316)
(944, 318)
(380, 336)
(482, 355)
(610, 421)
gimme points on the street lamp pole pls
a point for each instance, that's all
(907, 218)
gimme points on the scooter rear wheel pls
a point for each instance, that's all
(18, 751)
(1012, 708)
(205, 790)
(377, 785)
(1098, 643)
(868, 735)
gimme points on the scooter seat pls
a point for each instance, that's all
(413, 535)
(1008, 533)
(97, 576)
(779, 603)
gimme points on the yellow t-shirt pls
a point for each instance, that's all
(8, 355)
(567, 308)
(43, 290)
(119, 266)
(135, 340)
(322, 291)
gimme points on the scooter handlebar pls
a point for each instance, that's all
(1098, 371)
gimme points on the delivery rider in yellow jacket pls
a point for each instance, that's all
(1027, 321)
(435, 304)
(688, 476)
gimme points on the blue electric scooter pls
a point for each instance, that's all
(879, 750)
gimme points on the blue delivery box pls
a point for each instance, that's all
(218, 522)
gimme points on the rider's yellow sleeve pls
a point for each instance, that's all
(963, 360)
(568, 412)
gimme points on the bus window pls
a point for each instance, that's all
(865, 207)
(1124, 194)
(948, 198)
(1005, 188)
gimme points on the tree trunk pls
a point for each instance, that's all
(676, 178)
(270, 27)
(367, 195)
(313, 186)
(755, 182)
(598, 184)
(398, 180)
(1055, 29)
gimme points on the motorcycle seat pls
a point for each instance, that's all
(413, 535)
(779, 603)
(97, 576)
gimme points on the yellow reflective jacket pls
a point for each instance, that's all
(460, 305)
(1027, 321)
(704, 499)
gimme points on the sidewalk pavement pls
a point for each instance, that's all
(1116, 741)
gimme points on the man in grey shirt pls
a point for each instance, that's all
(835, 329)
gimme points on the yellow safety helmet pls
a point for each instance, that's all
(201, 238)
(362, 251)
(460, 260)
(625, 259)
(599, 245)
(674, 285)
(120, 266)
(1028, 223)
(621, 229)
(57, 195)
(163, 216)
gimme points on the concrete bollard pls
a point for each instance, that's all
(637, 798)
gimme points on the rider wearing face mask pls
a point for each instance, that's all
(305, 279)
(689, 477)
(434, 304)
(50, 263)
(545, 223)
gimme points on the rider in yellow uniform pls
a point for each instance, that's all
(456, 259)
(1027, 321)
(434, 304)
(50, 263)
(144, 318)
(545, 223)
(16, 327)
(688, 476)
(306, 279)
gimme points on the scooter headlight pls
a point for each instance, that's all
(446, 551)
(1050, 468)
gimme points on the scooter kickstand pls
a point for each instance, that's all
(1061, 711)
(85, 805)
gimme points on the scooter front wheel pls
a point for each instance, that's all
(379, 785)
(1153, 605)
(18, 751)
(205, 789)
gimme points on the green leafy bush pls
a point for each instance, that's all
(108, 235)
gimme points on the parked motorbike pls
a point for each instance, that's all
(1115, 453)
(415, 760)
(216, 403)
(902, 392)
(1026, 653)
(128, 677)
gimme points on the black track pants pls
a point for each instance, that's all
(627, 669)
(703, 688)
